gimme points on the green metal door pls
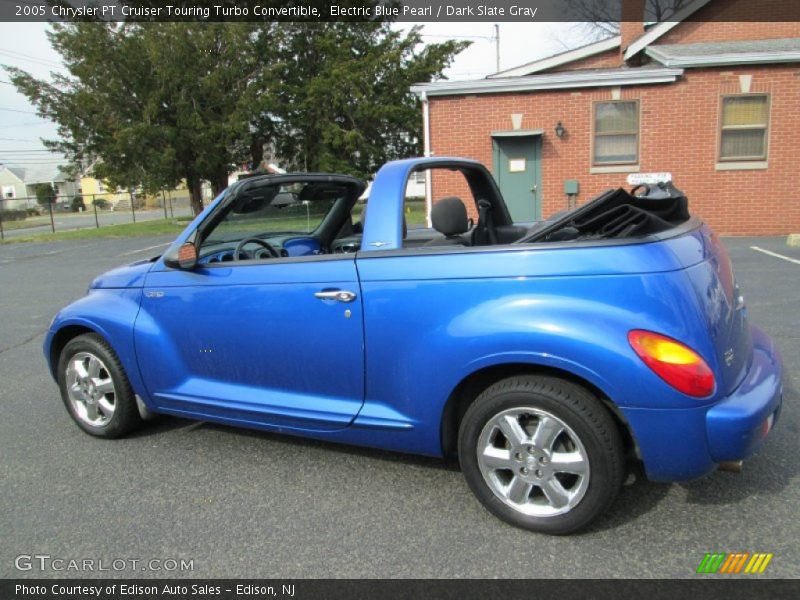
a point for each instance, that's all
(517, 168)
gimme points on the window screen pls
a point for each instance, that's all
(616, 133)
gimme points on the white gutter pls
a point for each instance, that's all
(723, 59)
(426, 136)
(554, 81)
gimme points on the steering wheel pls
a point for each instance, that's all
(237, 254)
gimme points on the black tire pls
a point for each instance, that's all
(599, 444)
(125, 417)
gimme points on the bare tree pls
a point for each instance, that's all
(602, 18)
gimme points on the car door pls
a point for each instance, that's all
(271, 341)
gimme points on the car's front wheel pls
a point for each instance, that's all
(541, 453)
(95, 389)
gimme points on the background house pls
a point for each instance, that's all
(12, 186)
(712, 98)
(94, 189)
(66, 187)
(19, 185)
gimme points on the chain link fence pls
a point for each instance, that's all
(26, 216)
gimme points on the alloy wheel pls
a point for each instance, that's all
(533, 462)
(90, 389)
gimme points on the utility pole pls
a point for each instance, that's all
(497, 45)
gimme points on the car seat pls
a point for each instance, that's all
(449, 218)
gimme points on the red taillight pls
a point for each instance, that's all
(678, 365)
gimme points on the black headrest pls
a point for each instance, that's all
(449, 216)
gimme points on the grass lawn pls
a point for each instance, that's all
(414, 211)
(25, 223)
(143, 228)
(43, 220)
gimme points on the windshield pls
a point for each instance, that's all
(295, 208)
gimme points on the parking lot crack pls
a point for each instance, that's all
(23, 342)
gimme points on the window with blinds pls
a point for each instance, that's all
(744, 124)
(616, 133)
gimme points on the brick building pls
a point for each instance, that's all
(711, 98)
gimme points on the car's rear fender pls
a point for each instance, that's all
(424, 338)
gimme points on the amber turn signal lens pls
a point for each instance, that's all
(678, 365)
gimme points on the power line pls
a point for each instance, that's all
(5, 139)
(27, 112)
(13, 156)
(37, 157)
(28, 124)
(30, 57)
(34, 162)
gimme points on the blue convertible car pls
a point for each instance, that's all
(544, 357)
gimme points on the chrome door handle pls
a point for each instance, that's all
(338, 295)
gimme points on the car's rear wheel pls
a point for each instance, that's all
(541, 453)
(95, 389)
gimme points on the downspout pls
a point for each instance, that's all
(426, 134)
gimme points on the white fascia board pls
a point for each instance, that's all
(663, 27)
(555, 81)
(559, 59)
(723, 59)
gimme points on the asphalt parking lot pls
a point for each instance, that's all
(249, 504)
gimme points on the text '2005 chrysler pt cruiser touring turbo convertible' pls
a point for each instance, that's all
(542, 356)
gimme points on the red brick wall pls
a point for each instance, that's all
(725, 20)
(694, 33)
(678, 133)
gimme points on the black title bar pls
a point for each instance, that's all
(388, 10)
(706, 587)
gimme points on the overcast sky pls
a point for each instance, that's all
(25, 45)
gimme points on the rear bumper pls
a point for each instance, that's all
(739, 424)
(682, 444)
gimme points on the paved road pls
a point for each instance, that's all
(86, 220)
(249, 504)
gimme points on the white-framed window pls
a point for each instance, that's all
(744, 127)
(9, 191)
(616, 133)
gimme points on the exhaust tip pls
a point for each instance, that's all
(731, 466)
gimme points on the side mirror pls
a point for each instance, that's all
(185, 259)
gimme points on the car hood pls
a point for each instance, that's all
(129, 276)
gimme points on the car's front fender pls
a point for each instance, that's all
(111, 313)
